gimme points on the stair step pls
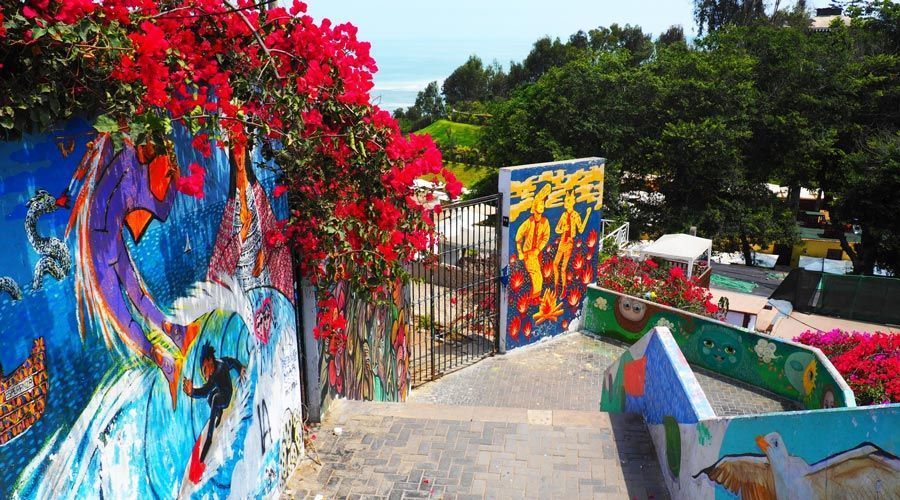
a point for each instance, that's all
(343, 410)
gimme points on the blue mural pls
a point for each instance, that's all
(554, 213)
(149, 346)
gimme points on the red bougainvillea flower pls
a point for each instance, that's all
(192, 185)
(592, 239)
(201, 143)
(515, 326)
(516, 281)
(711, 308)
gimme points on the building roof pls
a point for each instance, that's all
(678, 247)
(814, 233)
(824, 22)
(795, 324)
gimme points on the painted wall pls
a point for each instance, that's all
(794, 371)
(654, 379)
(373, 363)
(551, 232)
(115, 284)
(778, 455)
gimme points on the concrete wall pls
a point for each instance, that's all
(373, 364)
(794, 371)
(836, 453)
(114, 284)
(551, 249)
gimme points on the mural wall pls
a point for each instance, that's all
(372, 364)
(149, 343)
(552, 214)
(794, 371)
(777, 455)
(654, 379)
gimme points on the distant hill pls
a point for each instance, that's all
(446, 133)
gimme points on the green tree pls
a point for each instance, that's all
(673, 35)
(711, 15)
(429, 107)
(628, 37)
(469, 82)
(867, 197)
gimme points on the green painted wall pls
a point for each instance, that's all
(793, 371)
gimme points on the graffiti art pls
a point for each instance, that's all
(554, 223)
(185, 322)
(371, 361)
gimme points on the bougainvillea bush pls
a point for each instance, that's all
(869, 362)
(237, 73)
(666, 285)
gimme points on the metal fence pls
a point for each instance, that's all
(454, 299)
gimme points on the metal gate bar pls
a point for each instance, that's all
(455, 293)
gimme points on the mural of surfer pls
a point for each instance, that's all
(554, 221)
(217, 391)
(169, 374)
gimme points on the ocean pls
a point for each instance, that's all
(405, 67)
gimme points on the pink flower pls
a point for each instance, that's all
(192, 185)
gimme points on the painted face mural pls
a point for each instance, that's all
(632, 314)
(553, 243)
(719, 348)
(184, 374)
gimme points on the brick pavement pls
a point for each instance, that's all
(414, 450)
(521, 425)
(561, 373)
(564, 373)
(730, 397)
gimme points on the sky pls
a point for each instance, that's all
(416, 41)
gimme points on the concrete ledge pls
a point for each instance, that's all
(344, 410)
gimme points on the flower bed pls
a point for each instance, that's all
(869, 362)
(662, 284)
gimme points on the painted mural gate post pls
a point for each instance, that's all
(551, 232)
(148, 346)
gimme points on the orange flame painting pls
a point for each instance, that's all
(550, 308)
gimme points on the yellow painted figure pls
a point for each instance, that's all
(532, 237)
(570, 224)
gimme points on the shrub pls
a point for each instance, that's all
(869, 362)
(666, 285)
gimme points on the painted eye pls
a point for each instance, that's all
(627, 306)
(729, 350)
(637, 308)
(708, 343)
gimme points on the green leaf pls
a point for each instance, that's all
(106, 124)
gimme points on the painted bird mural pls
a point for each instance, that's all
(865, 471)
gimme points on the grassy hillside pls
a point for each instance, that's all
(447, 133)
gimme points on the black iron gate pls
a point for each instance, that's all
(454, 299)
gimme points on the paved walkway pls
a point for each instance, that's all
(564, 373)
(521, 425)
(415, 450)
